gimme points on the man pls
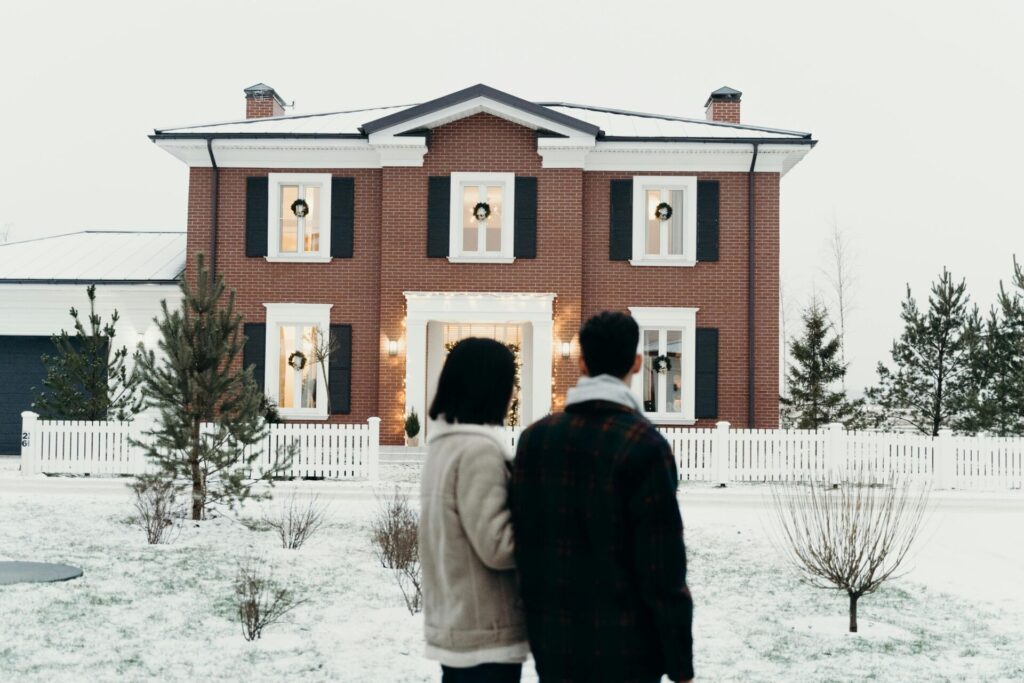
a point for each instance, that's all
(598, 534)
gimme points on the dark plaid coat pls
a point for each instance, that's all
(599, 548)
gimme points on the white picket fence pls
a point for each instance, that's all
(329, 451)
(833, 454)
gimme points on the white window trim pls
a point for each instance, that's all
(274, 183)
(508, 200)
(688, 184)
(685, 319)
(285, 314)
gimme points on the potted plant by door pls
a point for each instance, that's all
(412, 429)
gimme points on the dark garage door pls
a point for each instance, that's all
(20, 370)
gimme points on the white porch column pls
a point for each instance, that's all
(416, 367)
(543, 349)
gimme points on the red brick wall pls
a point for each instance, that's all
(262, 107)
(726, 111)
(390, 257)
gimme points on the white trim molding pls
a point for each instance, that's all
(665, 318)
(536, 309)
(460, 181)
(279, 314)
(688, 186)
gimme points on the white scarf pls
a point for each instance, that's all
(603, 388)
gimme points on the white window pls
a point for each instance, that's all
(482, 211)
(299, 217)
(664, 221)
(294, 380)
(665, 383)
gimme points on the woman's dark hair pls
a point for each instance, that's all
(609, 341)
(476, 381)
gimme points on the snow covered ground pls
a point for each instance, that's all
(164, 612)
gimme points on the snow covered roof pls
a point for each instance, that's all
(125, 257)
(609, 124)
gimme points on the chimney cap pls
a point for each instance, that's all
(263, 90)
(724, 93)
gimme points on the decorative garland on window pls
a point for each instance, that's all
(481, 211)
(300, 208)
(662, 364)
(663, 211)
(297, 360)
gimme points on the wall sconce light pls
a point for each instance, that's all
(566, 349)
(392, 347)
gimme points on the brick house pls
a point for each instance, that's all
(404, 229)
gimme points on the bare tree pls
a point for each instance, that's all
(841, 277)
(852, 538)
(260, 600)
(325, 345)
(157, 506)
(395, 535)
(296, 523)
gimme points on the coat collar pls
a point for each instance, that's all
(440, 429)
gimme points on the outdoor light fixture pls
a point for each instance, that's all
(392, 347)
(566, 349)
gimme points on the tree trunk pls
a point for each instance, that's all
(853, 613)
(197, 475)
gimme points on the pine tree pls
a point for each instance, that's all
(84, 380)
(996, 404)
(812, 401)
(210, 408)
(934, 360)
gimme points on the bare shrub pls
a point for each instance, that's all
(261, 601)
(850, 538)
(395, 535)
(295, 522)
(157, 507)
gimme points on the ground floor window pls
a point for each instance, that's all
(666, 380)
(294, 378)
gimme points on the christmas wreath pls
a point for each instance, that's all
(297, 360)
(300, 208)
(481, 211)
(662, 364)
(663, 211)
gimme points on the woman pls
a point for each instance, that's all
(473, 624)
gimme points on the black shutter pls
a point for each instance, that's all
(526, 218)
(343, 212)
(439, 196)
(620, 239)
(339, 371)
(254, 352)
(706, 384)
(707, 220)
(256, 216)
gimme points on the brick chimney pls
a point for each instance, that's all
(723, 105)
(262, 101)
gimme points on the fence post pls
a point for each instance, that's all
(29, 442)
(834, 452)
(374, 463)
(720, 454)
(944, 465)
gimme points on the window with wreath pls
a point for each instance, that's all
(295, 380)
(482, 217)
(664, 220)
(298, 370)
(666, 379)
(299, 216)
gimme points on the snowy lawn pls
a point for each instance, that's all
(165, 612)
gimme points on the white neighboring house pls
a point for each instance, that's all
(41, 279)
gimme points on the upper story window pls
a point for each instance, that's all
(299, 217)
(294, 379)
(666, 381)
(482, 217)
(664, 221)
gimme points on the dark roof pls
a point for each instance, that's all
(479, 90)
(263, 89)
(724, 93)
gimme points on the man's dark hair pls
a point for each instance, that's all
(609, 341)
(476, 381)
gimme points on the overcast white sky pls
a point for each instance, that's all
(917, 106)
